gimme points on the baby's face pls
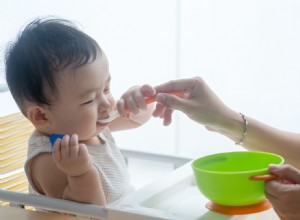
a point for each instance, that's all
(84, 98)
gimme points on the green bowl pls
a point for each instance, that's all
(224, 178)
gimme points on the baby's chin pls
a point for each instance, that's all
(92, 139)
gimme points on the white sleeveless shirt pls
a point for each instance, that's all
(106, 158)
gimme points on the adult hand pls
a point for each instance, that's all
(199, 103)
(284, 194)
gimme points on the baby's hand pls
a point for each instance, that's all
(133, 100)
(70, 156)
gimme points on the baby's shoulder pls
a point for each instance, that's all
(40, 141)
(46, 176)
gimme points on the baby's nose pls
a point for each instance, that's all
(104, 104)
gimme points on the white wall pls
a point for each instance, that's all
(247, 51)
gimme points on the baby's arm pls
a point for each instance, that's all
(133, 109)
(83, 183)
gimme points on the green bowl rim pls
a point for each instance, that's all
(235, 172)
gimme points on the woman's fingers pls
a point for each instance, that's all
(286, 172)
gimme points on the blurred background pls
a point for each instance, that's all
(248, 51)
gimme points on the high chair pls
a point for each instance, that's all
(12, 157)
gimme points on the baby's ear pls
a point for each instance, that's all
(37, 115)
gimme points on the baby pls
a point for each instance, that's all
(60, 79)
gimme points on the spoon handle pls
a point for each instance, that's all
(264, 177)
(152, 99)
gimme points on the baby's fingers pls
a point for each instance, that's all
(148, 91)
(74, 146)
(56, 150)
(65, 148)
(134, 102)
(84, 156)
(82, 150)
(121, 107)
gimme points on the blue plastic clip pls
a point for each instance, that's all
(53, 138)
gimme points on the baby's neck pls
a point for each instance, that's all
(93, 141)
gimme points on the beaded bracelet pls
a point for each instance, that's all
(245, 122)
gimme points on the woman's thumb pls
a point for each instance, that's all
(171, 101)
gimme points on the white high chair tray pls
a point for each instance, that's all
(174, 197)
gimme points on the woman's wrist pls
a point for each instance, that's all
(234, 125)
(245, 130)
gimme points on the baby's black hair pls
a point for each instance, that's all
(43, 48)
